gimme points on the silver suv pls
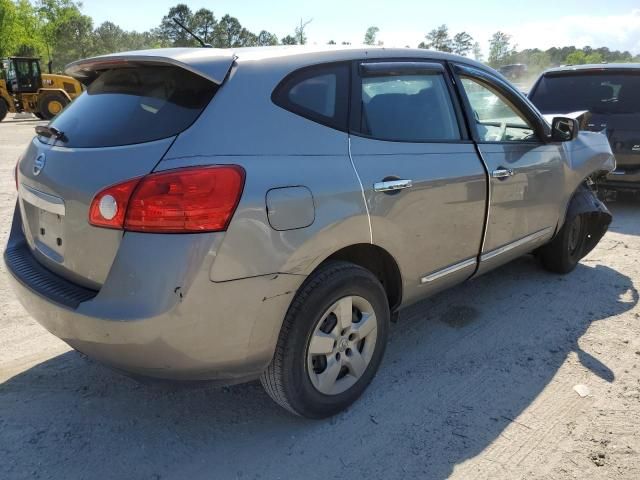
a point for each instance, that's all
(229, 215)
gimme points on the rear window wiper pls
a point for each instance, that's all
(50, 132)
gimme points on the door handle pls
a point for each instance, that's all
(392, 185)
(502, 173)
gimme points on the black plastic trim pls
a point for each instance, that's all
(26, 269)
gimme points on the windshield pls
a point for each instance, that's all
(134, 105)
(596, 92)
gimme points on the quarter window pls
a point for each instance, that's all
(496, 119)
(319, 93)
(409, 108)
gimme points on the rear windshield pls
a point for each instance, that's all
(596, 92)
(134, 105)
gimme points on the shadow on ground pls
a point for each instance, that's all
(459, 368)
(626, 213)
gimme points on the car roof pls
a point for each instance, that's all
(593, 67)
(213, 63)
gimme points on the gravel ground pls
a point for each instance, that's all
(478, 382)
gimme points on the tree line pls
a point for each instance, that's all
(58, 31)
(502, 51)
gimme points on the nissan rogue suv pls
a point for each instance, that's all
(229, 215)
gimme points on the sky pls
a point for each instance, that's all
(542, 24)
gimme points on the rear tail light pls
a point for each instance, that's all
(200, 199)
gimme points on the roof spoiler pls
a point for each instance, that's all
(211, 63)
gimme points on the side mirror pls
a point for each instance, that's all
(564, 129)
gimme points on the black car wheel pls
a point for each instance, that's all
(331, 343)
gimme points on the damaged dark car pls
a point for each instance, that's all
(610, 94)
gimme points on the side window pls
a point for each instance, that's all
(497, 120)
(35, 68)
(319, 93)
(408, 108)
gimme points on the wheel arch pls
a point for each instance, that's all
(379, 262)
(45, 91)
(585, 183)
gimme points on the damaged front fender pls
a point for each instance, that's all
(589, 154)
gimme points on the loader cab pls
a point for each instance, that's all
(23, 74)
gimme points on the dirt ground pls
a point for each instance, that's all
(477, 382)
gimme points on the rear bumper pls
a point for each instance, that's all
(163, 317)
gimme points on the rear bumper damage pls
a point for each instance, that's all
(159, 314)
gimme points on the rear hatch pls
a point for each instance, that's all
(119, 129)
(612, 96)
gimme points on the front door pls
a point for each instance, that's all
(423, 180)
(526, 173)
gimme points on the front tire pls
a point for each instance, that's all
(331, 343)
(564, 252)
(4, 109)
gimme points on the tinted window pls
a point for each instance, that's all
(410, 108)
(598, 93)
(319, 93)
(496, 119)
(134, 105)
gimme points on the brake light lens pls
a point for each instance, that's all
(200, 199)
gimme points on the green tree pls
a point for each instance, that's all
(370, 35)
(175, 35)
(500, 49)
(580, 57)
(7, 28)
(229, 33)
(477, 52)
(247, 39)
(300, 34)
(331, 42)
(203, 24)
(109, 38)
(289, 40)
(462, 43)
(28, 39)
(74, 39)
(67, 33)
(266, 38)
(144, 40)
(438, 39)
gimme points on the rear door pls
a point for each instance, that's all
(526, 172)
(423, 181)
(119, 129)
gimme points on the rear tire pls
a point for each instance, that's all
(4, 109)
(331, 342)
(564, 252)
(51, 104)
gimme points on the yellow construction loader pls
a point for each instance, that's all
(24, 88)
